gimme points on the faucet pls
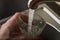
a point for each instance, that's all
(32, 3)
(44, 10)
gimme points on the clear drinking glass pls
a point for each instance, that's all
(38, 24)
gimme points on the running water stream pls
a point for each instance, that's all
(30, 19)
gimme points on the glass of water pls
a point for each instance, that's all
(38, 24)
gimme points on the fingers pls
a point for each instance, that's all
(13, 22)
(4, 31)
(13, 19)
(10, 21)
(24, 17)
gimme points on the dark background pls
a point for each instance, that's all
(9, 7)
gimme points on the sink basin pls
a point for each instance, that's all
(49, 33)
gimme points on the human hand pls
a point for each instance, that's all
(12, 26)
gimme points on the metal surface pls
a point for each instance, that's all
(50, 32)
(49, 20)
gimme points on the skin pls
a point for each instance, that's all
(11, 26)
(4, 31)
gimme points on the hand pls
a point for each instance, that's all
(12, 26)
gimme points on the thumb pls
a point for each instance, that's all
(11, 21)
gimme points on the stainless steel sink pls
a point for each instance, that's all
(50, 32)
